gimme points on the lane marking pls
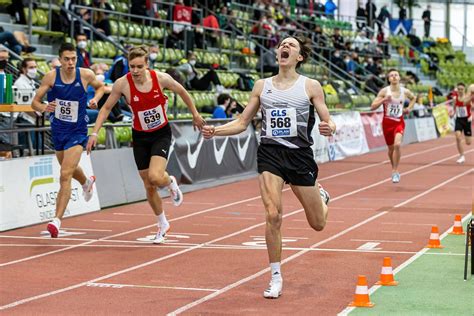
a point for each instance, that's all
(374, 288)
(385, 241)
(232, 217)
(134, 214)
(369, 246)
(108, 221)
(300, 253)
(212, 209)
(88, 229)
(119, 286)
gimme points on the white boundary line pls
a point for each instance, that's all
(374, 288)
(119, 286)
(298, 254)
(23, 301)
(204, 211)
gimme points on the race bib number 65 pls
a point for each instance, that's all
(66, 110)
(281, 122)
(151, 119)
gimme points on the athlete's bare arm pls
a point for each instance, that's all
(167, 82)
(46, 84)
(412, 99)
(316, 95)
(98, 86)
(240, 124)
(379, 100)
(114, 96)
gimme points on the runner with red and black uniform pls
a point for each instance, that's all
(151, 133)
(393, 99)
(462, 110)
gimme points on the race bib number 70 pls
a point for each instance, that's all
(281, 122)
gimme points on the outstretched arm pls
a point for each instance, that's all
(240, 124)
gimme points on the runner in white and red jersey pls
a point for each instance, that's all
(151, 133)
(462, 110)
(393, 99)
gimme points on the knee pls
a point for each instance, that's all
(274, 218)
(396, 146)
(66, 174)
(318, 226)
(468, 141)
(158, 180)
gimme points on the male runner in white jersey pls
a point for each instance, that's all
(288, 102)
(393, 100)
(151, 133)
(462, 108)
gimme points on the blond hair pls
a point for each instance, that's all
(138, 51)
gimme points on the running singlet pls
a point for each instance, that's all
(148, 108)
(461, 109)
(287, 115)
(70, 115)
(393, 110)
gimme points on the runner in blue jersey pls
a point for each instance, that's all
(66, 87)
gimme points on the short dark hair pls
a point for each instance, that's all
(25, 62)
(66, 47)
(392, 69)
(222, 98)
(79, 34)
(305, 47)
(461, 84)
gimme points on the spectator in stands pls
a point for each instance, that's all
(84, 59)
(383, 15)
(222, 17)
(4, 116)
(337, 39)
(17, 10)
(192, 79)
(9, 40)
(360, 41)
(370, 9)
(154, 50)
(53, 63)
(320, 40)
(330, 8)
(319, 9)
(119, 67)
(221, 111)
(337, 60)
(267, 62)
(372, 67)
(426, 17)
(29, 71)
(402, 13)
(101, 20)
(361, 17)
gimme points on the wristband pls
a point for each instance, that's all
(93, 134)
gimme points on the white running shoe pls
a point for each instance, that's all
(324, 194)
(274, 288)
(461, 160)
(161, 234)
(395, 177)
(88, 192)
(175, 192)
(53, 227)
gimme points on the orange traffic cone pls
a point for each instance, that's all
(361, 296)
(434, 238)
(386, 276)
(457, 228)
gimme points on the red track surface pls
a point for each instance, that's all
(105, 270)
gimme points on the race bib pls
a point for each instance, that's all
(66, 111)
(461, 111)
(151, 119)
(281, 122)
(395, 110)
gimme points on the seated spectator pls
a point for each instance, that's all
(119, 67)
(360, 40)
(372, 67)
(5, 150)
(337, 60)
(29, 71)
(419, 109)
(221, 110)
(337, 39)
(9, 40)
(192, 80)
(267, 62)
(84, 59)
(101, 20)
(54, 63)
(319, 9)
(153, 52)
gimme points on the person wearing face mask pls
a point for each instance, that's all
(29, 73)
(84, 59)
(154, 50)
(192, 79)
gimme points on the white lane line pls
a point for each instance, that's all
(88, 229)
(300, 253)
(385, 241)
(108, 221)
(411, 224)
(201, 212)
(231, 217)
(395, 232)
(119, 286)
(134, 214)
(374, 288)
(369, 246)
(184, 251)
(285, 237)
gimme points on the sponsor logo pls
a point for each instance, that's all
(219, 153)
(41, 172)
(269, 91)
(135, 98)
(281, 132)
(77, 84)
(193, 156)
(243, 150)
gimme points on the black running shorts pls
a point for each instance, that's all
(294, 166)
(148, 144)
(463, 125)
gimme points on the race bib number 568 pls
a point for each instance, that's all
(281, 122)
(151, 119)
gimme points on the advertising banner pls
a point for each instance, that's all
(372, 122)
(425, 129)
(350, 139)
(441, 117)
(29, 188)
(321, 144)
